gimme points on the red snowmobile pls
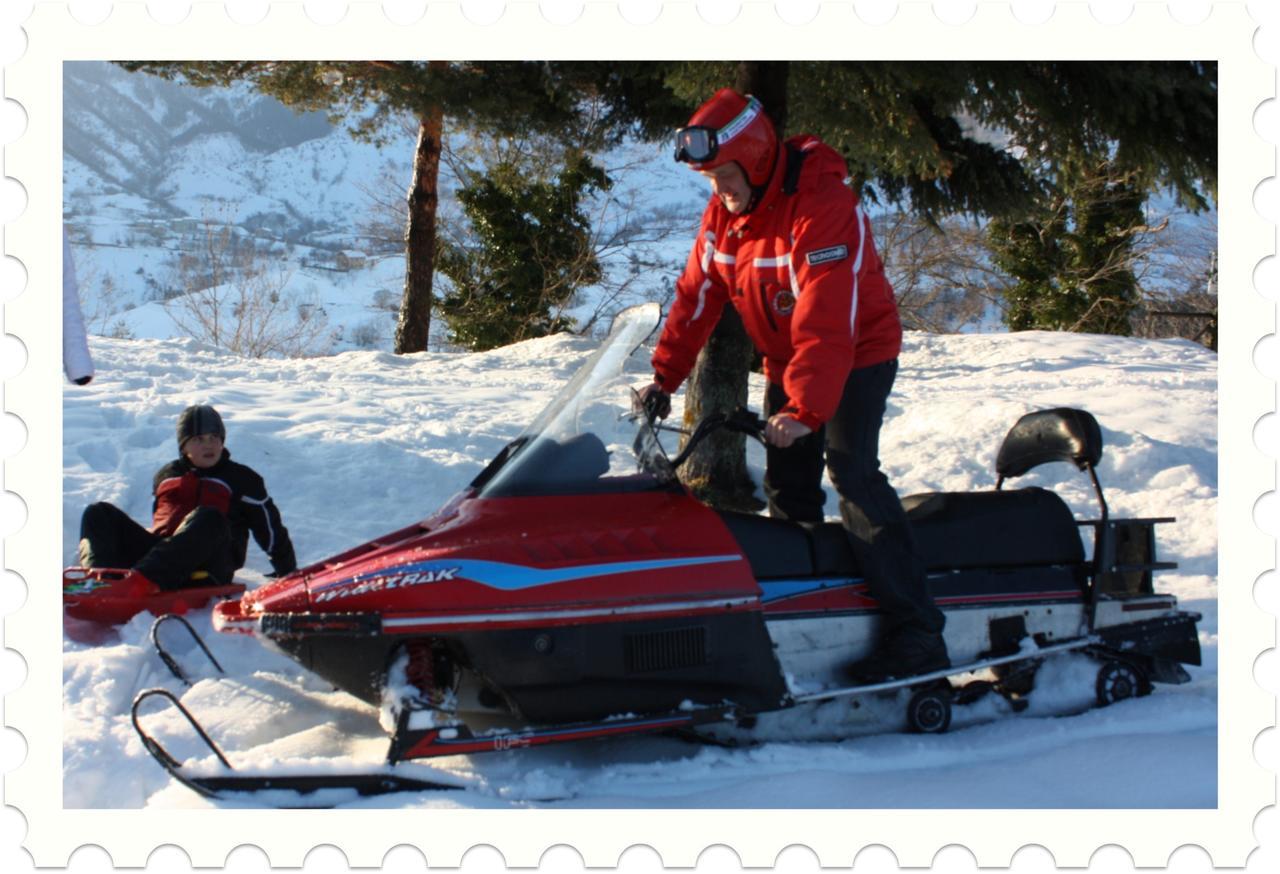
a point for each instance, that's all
(576, 589)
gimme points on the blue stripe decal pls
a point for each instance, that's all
(776, 590)
(514, 577)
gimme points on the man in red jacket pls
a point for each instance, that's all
(785, 241)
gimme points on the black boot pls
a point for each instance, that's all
(909, 652)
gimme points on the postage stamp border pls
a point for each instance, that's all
(600, 31)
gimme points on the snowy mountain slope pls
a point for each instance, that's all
(127, 128)
(150, 165)
(362, 443)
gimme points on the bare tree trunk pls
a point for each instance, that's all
(414, 325)
(717, 470)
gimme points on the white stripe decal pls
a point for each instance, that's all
(773, 262)
(532, 615)
(707, 250)
(791, 267)
(739, 122)
(702, 300)
(271, 532)
(724, 258)
(857, 267)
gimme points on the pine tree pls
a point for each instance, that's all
(1072, 260)
(532, 250)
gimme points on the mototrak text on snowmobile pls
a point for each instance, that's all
(576, 589)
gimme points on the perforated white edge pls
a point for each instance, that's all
(601, 30)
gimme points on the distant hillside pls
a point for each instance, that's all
(151, 166)
(128, 130)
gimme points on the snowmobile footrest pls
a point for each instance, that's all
(953, 670)
(458, 740)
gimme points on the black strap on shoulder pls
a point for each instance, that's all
(791, 179)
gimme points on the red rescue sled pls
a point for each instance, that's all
(107, 596)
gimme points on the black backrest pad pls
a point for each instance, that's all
(1061, 434)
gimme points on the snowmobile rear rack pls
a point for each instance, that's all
(219, 786)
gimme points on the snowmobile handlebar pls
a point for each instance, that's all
(649, 451)
(740, 421)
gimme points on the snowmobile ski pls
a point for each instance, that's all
(223, 786)
(165, 656)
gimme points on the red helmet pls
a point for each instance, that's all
(730, 127)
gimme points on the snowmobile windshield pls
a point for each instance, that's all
(585, 441)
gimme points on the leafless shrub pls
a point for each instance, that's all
(941, 274)
(1180, 286)
(100, 301)
(233, 295)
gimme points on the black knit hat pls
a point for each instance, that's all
(197, 420)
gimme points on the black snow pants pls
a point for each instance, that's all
(110, 538)
(879, 531)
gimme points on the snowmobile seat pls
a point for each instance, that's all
(775, 548)
(833, 556)
(1015, 528)
(953, 531)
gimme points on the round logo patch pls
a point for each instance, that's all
(784, 302)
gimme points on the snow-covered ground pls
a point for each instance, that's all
(362, 443)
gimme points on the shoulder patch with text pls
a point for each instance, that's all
(831, 253)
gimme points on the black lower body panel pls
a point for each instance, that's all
(570, 673)
(594, 671)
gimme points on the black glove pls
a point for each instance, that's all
(653, 401)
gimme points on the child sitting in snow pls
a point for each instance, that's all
(205, 506)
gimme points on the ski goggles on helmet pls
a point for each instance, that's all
(698, 144)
